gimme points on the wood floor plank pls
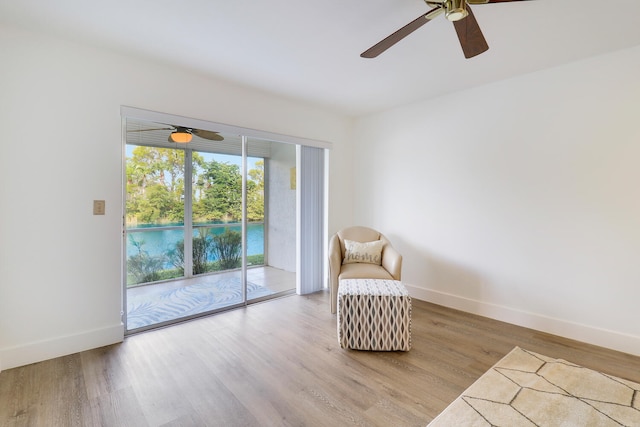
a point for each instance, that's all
(278, 363)
(117, 408)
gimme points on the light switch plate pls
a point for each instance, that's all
(98, 207)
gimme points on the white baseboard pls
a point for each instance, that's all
(601, 337)
(38, 351)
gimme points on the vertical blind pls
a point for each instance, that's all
(311, 235)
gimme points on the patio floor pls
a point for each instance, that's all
(160, 304)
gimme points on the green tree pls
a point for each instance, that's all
(255, 193)
(156, 205)
(172, 163)
(155, 185)
(155, 188)
(222, 193)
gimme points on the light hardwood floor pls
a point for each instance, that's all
(277, 363)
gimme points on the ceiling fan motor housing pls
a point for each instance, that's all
(456, 10)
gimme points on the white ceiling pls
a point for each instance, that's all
(309, 50)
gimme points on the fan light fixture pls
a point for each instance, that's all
(456, 10)
(181, 135)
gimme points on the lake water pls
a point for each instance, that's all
(159, 242)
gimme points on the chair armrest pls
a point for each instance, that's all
(392, 261)
(335, 263)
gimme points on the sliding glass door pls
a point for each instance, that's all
(209, 224)
(271, 214)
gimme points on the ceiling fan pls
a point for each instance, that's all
(184, 135)
(457, 11)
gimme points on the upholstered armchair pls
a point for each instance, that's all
(389, 266)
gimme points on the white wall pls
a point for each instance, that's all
(517, 200)
(60, 266)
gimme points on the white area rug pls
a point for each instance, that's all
(529, 389)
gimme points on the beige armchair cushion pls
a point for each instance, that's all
(390, 268)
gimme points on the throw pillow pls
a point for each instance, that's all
(367, 252)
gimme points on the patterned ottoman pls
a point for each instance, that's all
(374, 314)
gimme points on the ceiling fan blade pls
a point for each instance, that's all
(403, 32)
(491, 1)
(207, 134)
(470, 36)
(147, 130)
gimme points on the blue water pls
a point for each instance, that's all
(159, 242)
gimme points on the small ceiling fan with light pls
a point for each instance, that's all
(183, 135)
(457, 11)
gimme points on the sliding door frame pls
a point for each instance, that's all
(245, 133)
